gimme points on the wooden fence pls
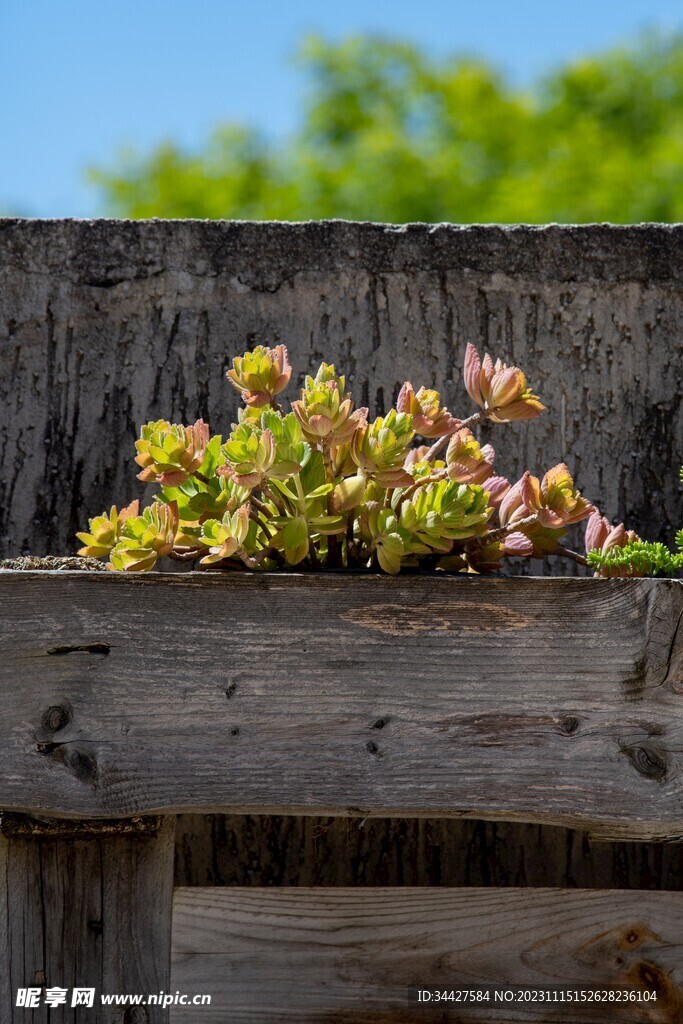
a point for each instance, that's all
(188, 769)
(136, 698)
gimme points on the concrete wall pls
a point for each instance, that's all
(105, 324)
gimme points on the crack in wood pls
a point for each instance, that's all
(92, 648)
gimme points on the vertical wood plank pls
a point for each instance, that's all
(86, 912)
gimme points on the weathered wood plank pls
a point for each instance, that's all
(258, 850)
(554, 701)
(358, 955)
(87, 913)
(107, 324)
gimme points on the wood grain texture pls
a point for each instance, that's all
(354, 955)
(107, 324)
(92, 913)
(555, 701)
(282, 850)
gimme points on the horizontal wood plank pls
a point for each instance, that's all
(556, 701)
(359, 955)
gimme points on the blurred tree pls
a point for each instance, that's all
(389, 134)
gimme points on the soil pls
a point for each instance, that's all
(67, 562)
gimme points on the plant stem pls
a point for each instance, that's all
(441, 442)
(490, 538)
(257, 503)
(574, 555)
(253, 562)
(272, 496)
(333, 552)
(261, 521)
(186, 556)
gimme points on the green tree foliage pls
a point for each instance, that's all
(390, 134)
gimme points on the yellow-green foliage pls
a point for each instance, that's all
(389, 133)
(325, 486)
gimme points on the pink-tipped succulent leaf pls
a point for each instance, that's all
(500, 390)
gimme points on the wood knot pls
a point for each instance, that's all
(568, 725)
(647, 976)
(83, 765)
(56, 717)
(647, 760)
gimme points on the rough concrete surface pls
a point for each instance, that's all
(106, 324)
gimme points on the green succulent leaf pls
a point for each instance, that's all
(295, 539)
(313, 476)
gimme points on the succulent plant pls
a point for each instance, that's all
(498, 389)
(430, 418)
(227, 537)
(323, 486)
(380, 448)
(325, 412)
(145, 538)
(105, 530)
(261, 374)
(467, 461)
(616, 551)
(170, 453)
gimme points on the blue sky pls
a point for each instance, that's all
(80, 79)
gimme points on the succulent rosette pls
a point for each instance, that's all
(261, 374)
(555, 500)
(500, 390)
(249, 455)
(226, 537)
(468, 462)
(430, 418)
(324, 412)
(442, 512)
(145, 538)
(270, 449)
(104, 531)
(170, 453)
(379, 449)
